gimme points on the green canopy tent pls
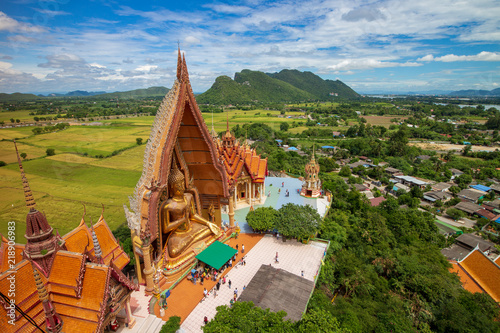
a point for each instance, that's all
(216, 254)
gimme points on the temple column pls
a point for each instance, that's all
(130, 318)
(148, 268)
(235, 197)
(247, 191)
(231, 211)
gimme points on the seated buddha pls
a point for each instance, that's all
(179, 217)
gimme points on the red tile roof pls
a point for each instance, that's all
(376, 201)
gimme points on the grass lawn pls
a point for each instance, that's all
(60, 188)
(8, 152)
(16, 133)
(93, 140)
(22, 115)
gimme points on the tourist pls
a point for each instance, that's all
(283, 184)
(236, 292)
(223, 280)
(231, 303)
(215, 293)
(229, 283)
(269, 194)
(218, 285)
(302, 273)
(244, 287)
(201, 280)
(230, 263)
(242, 248)
(205, 292)
(205, 320)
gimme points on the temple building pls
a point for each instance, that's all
(72, 283)
(311, 188)
(245, 170)
(175, 211)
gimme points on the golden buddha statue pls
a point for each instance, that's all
(178, 216)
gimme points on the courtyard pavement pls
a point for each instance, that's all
(294, 257)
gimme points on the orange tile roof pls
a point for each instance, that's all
(467, 282)
(79, 238)
(26, 296)
(111, 250)
(4, 254)
(92, 292)
(66, 268)
(484, 272)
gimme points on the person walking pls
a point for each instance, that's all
(218, 285)
(242, 248)
(229, 283)
(201, 279)
(236, 292)
(205, 292)
(205, 320)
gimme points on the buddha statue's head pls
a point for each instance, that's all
(176, 180)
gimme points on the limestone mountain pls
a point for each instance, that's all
(287, 86)
(307, 81)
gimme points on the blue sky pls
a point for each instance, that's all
(373, 46)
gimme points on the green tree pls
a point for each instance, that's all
(284, 126)
(318, 320)
(138, 141)
(298, 221)
(12, 120)
(455, 213)
(23, 155)
(246, 317)
(345, 171)
(50, 151)
(262, 219)
(18, 121)
(172, 325)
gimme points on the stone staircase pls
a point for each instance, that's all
(150, 324)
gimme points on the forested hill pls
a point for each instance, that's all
(307, 81)
(287, 86)
(148, 92)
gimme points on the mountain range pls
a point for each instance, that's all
(285, 86)
(476, 93)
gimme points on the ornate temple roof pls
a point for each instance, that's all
(238, 157)
(179, 129)
(78, 287)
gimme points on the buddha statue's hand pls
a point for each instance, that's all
(214, 228)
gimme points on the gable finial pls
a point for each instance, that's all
(179, 61)
(28, 195)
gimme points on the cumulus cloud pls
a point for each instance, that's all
(363, 13)
(228, 9)
(66, 60)
(9, 24)
(191, 40)
(482, 56)
(359, 64)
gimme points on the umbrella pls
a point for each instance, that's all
(327, 147)
(292, 148)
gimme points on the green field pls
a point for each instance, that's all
(23, 115)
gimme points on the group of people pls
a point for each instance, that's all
(222, 280)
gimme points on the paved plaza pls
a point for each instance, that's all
(294, 257)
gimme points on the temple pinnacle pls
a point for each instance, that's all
(28, 195)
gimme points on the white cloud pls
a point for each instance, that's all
(483, 56)
(191, 40)
(360, 64)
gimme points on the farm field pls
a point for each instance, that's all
(382, 120)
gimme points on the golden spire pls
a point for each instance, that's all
(313, 153)
(28, 195)
(179, 61)
(42, 291)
